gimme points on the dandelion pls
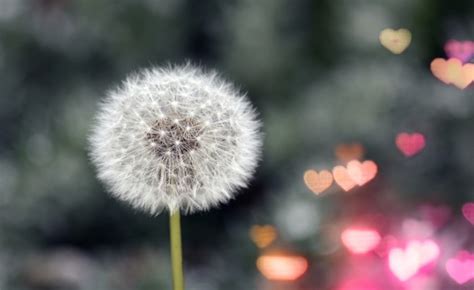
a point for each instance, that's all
(175, 138)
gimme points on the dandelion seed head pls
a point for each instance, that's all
(175, 138)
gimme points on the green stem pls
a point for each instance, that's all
(176, 252)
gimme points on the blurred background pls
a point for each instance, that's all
(327, 91)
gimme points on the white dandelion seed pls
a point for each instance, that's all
(176, 138)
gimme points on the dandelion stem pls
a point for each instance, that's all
(176, 251)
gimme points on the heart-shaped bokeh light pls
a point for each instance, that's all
(462, 50)
(282, 267)
(342, 178)
(395, 40)
(263, 236)
(362, 172)
(461, 268)
(318, 182)
(360, 240)
(452, 71)
(410, 144)
(405, 263)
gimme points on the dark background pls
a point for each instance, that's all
(319, 77)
